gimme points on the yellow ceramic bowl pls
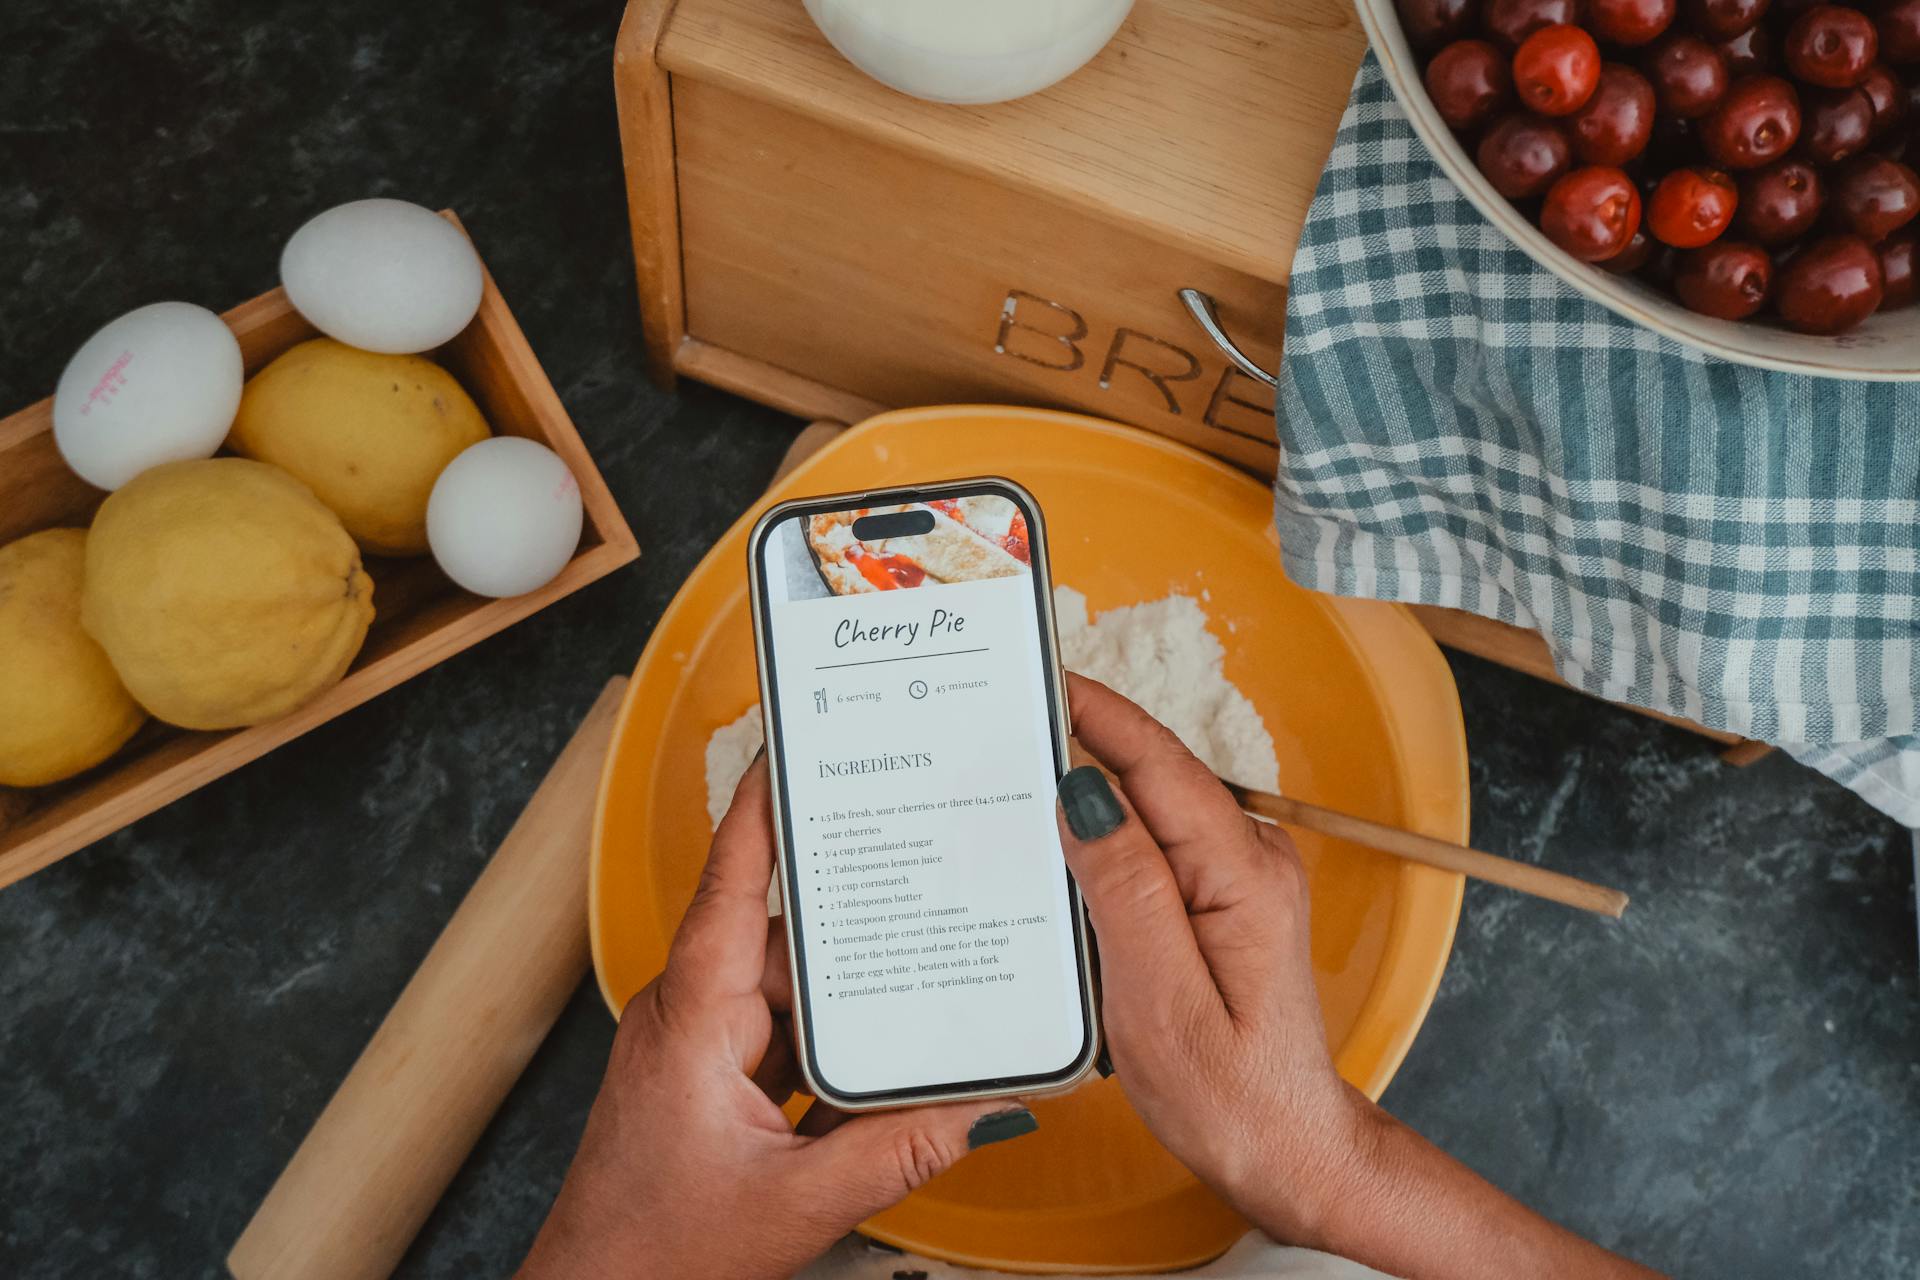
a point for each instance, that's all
(1362, 709)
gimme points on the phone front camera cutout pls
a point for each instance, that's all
(893, 524)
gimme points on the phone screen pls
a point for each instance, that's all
(909, 672)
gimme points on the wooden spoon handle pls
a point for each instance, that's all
(378, 1158)
(1521, 876)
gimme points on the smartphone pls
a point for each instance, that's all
(916, 728)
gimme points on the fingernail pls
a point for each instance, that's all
(1000, 1126)
(1089, 803)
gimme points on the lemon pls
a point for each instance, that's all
(62, 709)
(368, 433)
(223, 592)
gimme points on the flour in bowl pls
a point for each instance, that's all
(729, 751)
(1162, 656)
(1159, 653)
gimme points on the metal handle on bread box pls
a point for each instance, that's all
(1200, 307)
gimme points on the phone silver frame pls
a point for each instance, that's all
(1043, 571)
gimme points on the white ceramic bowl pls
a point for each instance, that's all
(1884, 349)
(969, 51)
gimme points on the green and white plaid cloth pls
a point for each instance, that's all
(1460, 428)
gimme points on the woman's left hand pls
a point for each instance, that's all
(688, 1166)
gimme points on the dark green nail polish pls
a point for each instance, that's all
(1089, 803)
(1000, 1126)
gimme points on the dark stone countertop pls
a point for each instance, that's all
(1726, 1084)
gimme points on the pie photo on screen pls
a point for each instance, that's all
(971, 539)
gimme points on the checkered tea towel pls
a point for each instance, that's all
(1458, 427)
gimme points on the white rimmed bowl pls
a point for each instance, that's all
(969, 52)
(1884, 349)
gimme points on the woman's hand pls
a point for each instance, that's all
(1207, 997)
(688, 1166)
(1213, 1024)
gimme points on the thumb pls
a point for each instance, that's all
(872, 1162)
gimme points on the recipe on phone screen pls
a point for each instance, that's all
(926, 869)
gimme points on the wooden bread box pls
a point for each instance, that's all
(813, 240)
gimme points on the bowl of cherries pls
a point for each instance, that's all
(1735, 174)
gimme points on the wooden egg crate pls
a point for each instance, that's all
(420, 619)
(813, 240)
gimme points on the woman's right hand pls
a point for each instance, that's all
(1207, 997)
(1213, 1024)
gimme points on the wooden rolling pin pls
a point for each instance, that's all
(402, 1122)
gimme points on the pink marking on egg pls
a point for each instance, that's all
(109, 384)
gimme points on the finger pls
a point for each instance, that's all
(1189, 812)
(1235, 876)
(778, 1072)
(1150, 961)
(776, 981)
(720, 948)
(872, 1162)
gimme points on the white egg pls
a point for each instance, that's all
(973, 52)
(504, 517)
(383, 275)
(159, 384)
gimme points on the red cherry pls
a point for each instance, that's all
(1508, 22)
(1779, 203)
(1728, 279)
(1591, 213)
(1747, 54)
(1691, 207)
(1522, 155)
(1556, 69)
(1873, 197)
(1629, 22)
(1755, 124)
(1899, 27)
(1675, 143)
(1661, 265)
(1639, 249)
(1831, 46)
(1829, 286)
(1834, 124)
(1468, 81)
(1431, 23)
(1724, 19)
(1615, 124)
(1689, 75)
(1701, 169)
(1886, 95)
(1898, 285)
